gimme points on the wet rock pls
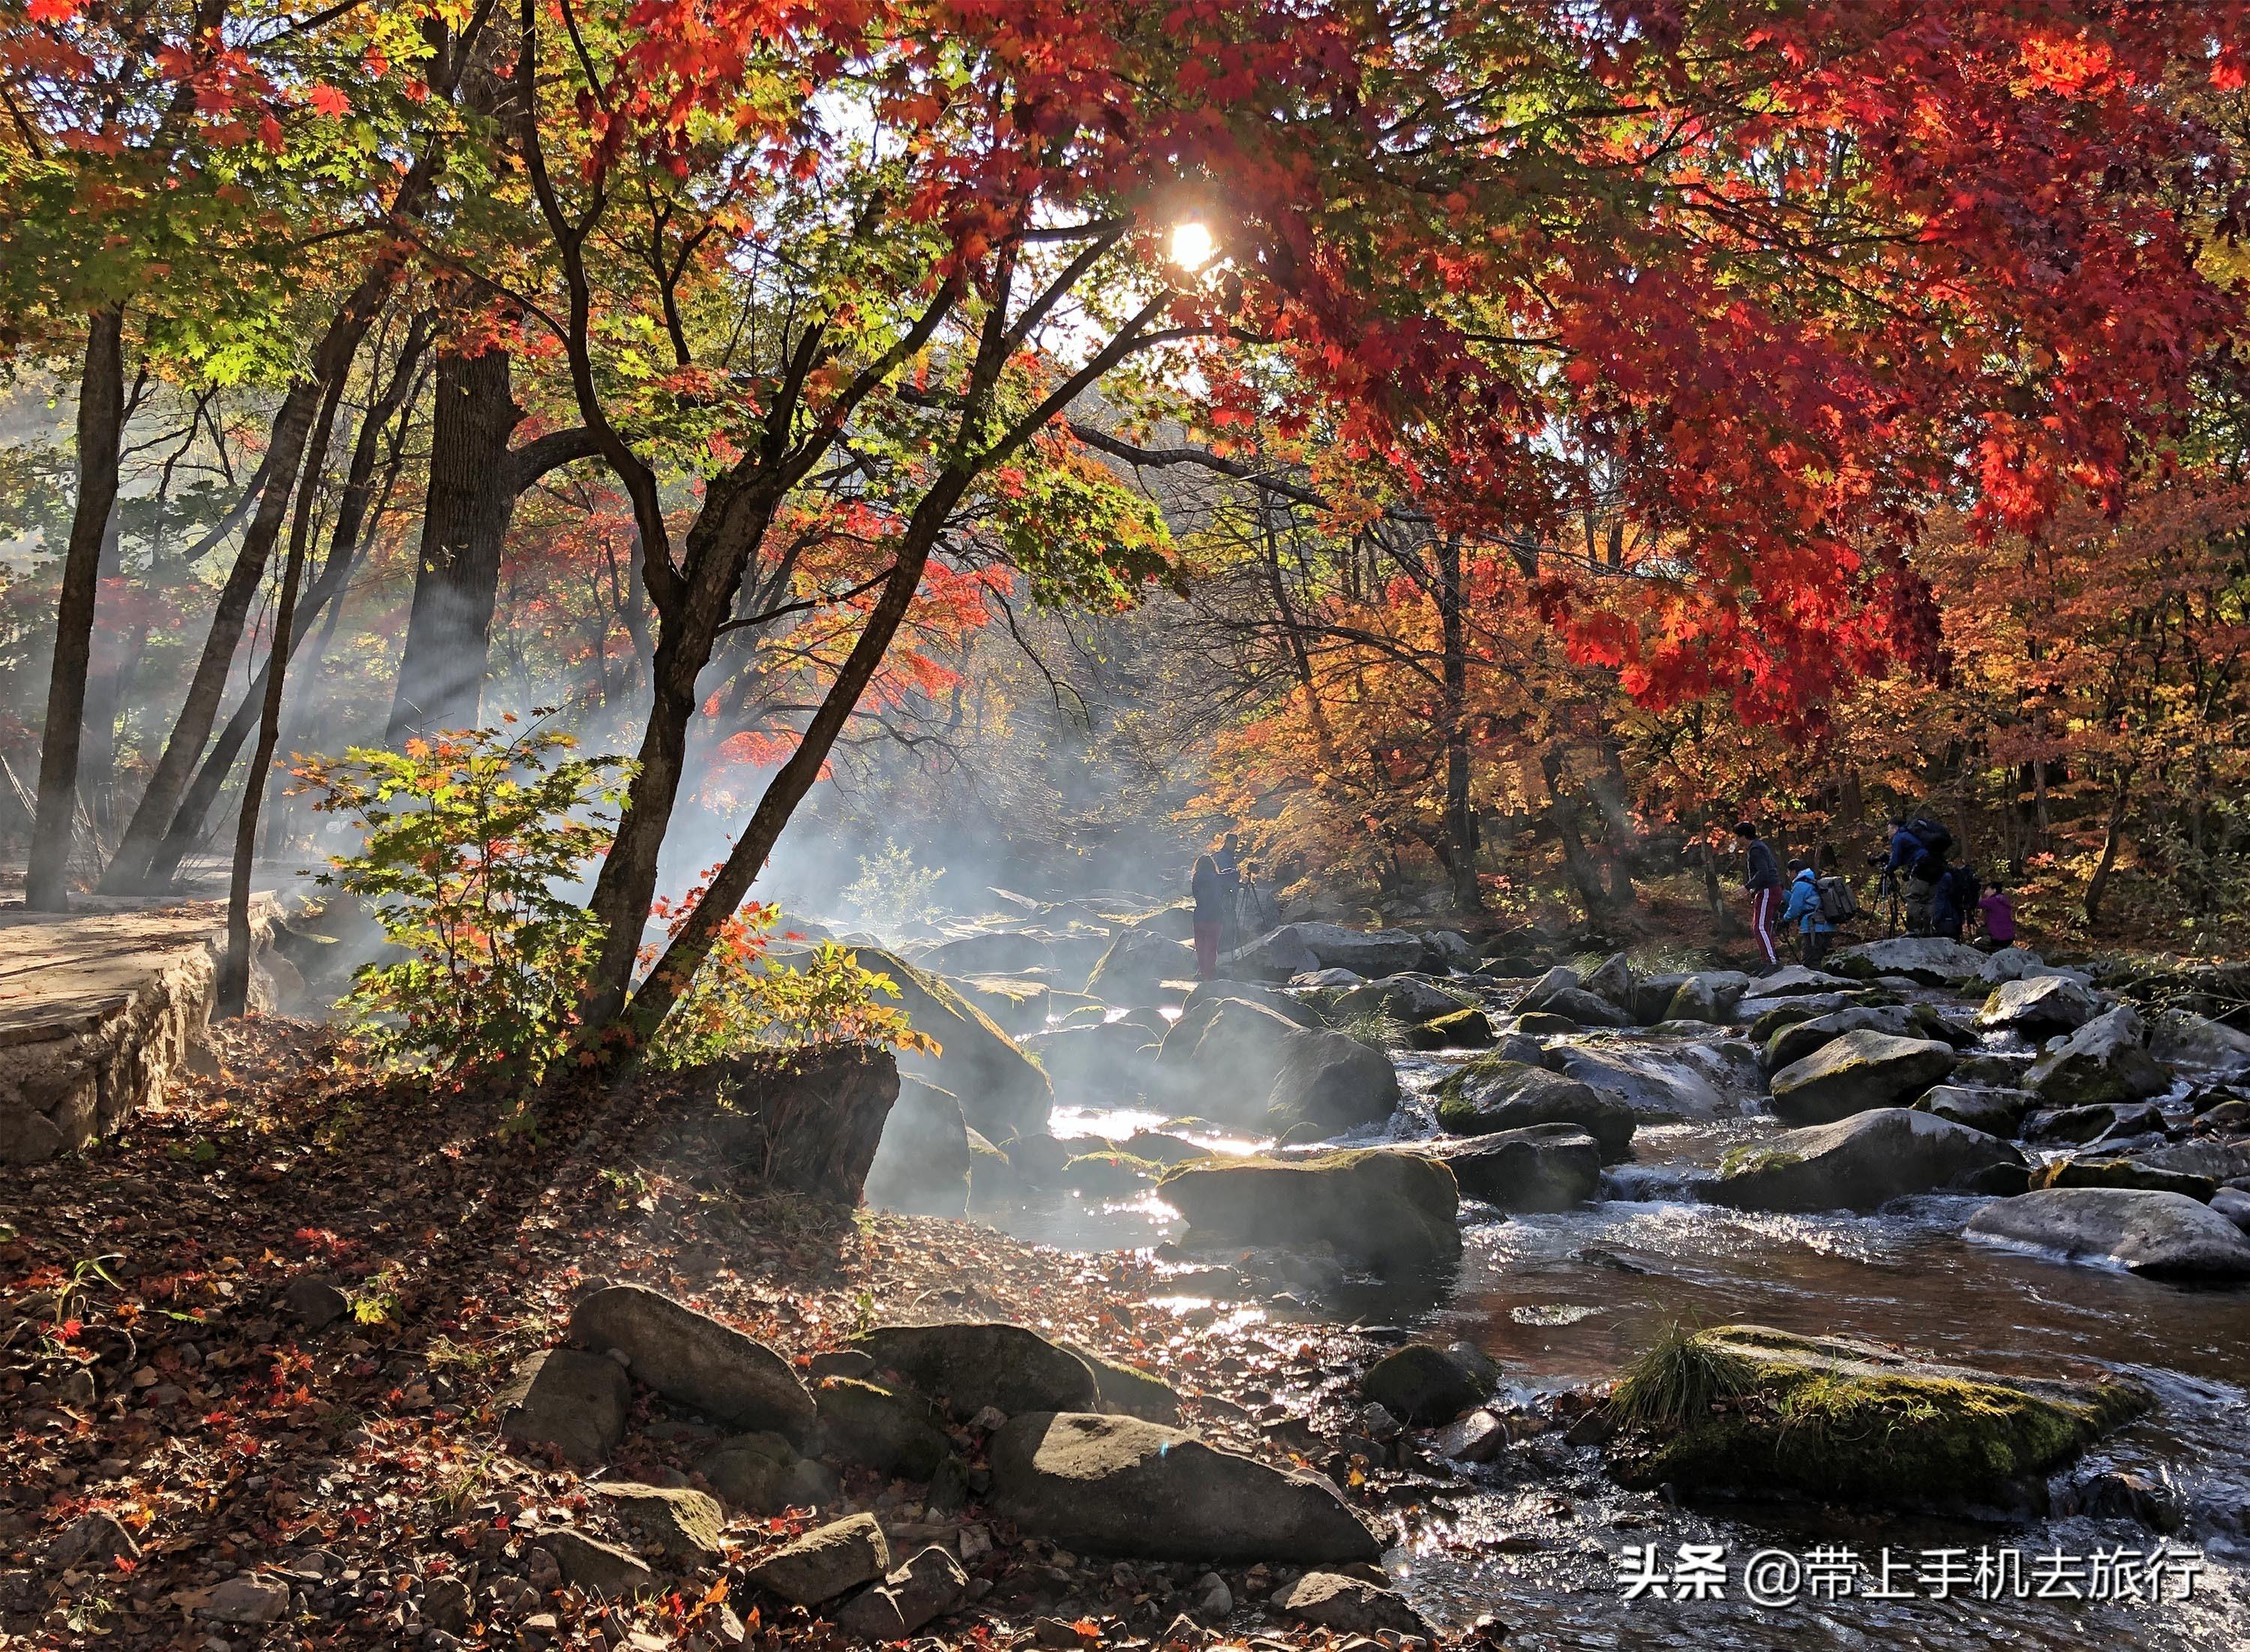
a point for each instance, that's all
(1160, 1149)
(1251, 1066)
(2209, 1050)
(1119, 1486)
(1276, 955)
(1652, 996)
(1858, 1163)
(1282, 1003)
(2121, 1494)
(2234, 1204)
(2122, 1172)
(1373, 952)
(1422, 1385)
(2101, 1062)
(1996, 1112)
(91, 1542)
(1930, 961)
(1658, 1086)
(248, 1598)
(1539, 1024)
(1794, 980)
(1383, 1208)
(597, 1567)
(824, 1562)
(882, 1428)
(576, 1402)
(1037, 1159)
(2091, 1123)
(1137, 966)
(1001, 1089)
(1104, 1063)
(762, 1474)
(1493, 1093)
(1996, 1070)
(2039, 1006)
(2221, 1161)
(1351, 1606)
(1478, 1437)
(1843, 1420)
(314, 1302)
(1856, 1072)
(1411, 999)
(693, 1360)
(921, 1164)
(1789, 1044)
(1107, 1175)
(1766, 1017)
(1709, 996)
(969, 1366)
(1542, 1167)
(1460, 1029)
(673, 1522)
(2167, 1234)
(926, 1586)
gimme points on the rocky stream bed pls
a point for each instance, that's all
(1287, 1308)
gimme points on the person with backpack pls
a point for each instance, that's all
(1762, 878)
(1208, 889)
(1810, 913)
(1954, 899)
(1917, 859)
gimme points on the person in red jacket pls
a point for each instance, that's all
(1762, 876)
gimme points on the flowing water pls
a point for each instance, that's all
(1561, 1301)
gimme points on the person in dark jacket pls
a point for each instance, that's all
(1229, 862)
(1762, 876)
(1804, 911)
(1910, 859)
(1208, 889)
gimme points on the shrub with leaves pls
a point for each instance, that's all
(891, 891)
(472, 841)
(744, 998)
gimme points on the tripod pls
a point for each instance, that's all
(1886, 896)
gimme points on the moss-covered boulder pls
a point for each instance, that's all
(1379, 1207)
(1787, 1043)
(1002, 1090)
(1748, 1410)
(1016, 1004)
(1931, 960)
(1859, 1071)
(2039, 1005)
(1493, 1093)
(1542, 1167)
(1459, 1030)
(2103, 1061)
(1996, 1111)
(1862, 1162)
(1108, 1172)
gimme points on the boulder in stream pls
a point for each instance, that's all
(1411, 999)
(1371, 952)
(2206, 1049)
(1861, 1163)
(2039, 1005)
(1659, 1086)
(1856, 1072)
(1280, 954)
(1423, 1385)
(1747, 1410)
(1286, 1005)
(1793, 1042)
(2103, 1061)
(2167, 1234)
(1996, 1111)
(1542, 1167)
(1104, 1062)
(1250, 1065)
(2093, 1170)
(1001, 1089)
(693, 1360)
(1613, 982)
(1931, 960)
(1119, 1486)
(1795, 981)
(1137, 966)
(1384, 1208)
(1493, 1093)
(1456, 1030)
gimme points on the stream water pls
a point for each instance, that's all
(1538, 1540)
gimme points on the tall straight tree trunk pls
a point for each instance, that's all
(457, 576)
(193, 820)
(231, 989)
(100, 429)
(1460, 815)
(131, 867)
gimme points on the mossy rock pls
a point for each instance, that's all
(1493, 1093)
(1462, 1029)
(1002, 1090)
(1109, 1173)
(1842, 1420)
(1542, 1023)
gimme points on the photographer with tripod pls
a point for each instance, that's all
(1912, 871)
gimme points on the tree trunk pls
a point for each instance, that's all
(231, 990)
(345, 539)
(100, 428)
(1619, 830)
(1460, 814)
(456, 577)
(1563, 811)
(131, 868)
(2112, 839)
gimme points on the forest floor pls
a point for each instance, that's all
(148, 1370)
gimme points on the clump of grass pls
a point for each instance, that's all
(1378, 1029)
(1751, 1156)
(1673, 1384)
(1666, 958)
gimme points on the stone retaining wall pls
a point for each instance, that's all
(99, 1010)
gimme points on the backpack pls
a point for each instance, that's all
(1964, 885)
(1838, 903)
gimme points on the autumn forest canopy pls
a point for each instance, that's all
(1477, 452)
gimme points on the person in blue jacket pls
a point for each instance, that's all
(1803, 910)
